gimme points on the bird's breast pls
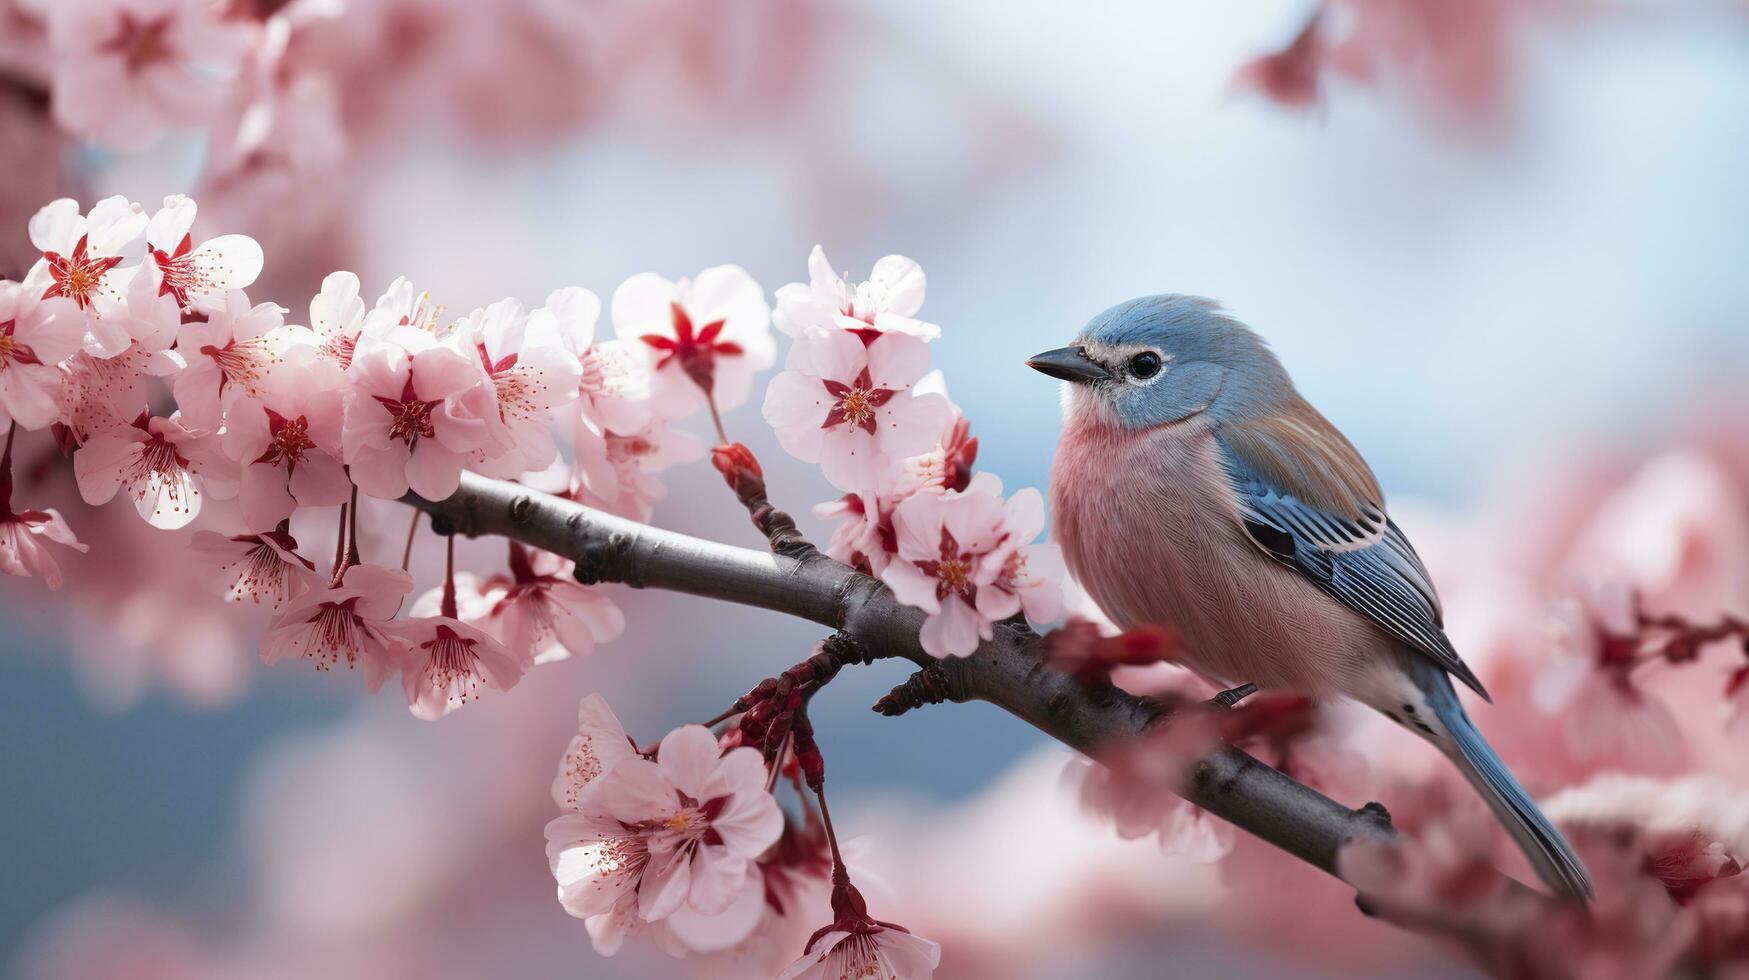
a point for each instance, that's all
(1150, 528)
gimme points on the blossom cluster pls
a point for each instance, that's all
(687, 843)
(857, 397)
(140, 349)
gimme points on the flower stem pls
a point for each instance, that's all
(339, 549)
(710, 400)
(777, 764)
(6, 471)
(407, 551)
(352, 535)
(449, 606)
(840, 874)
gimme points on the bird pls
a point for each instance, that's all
(1194, 488)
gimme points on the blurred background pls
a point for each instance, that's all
(1500, 244)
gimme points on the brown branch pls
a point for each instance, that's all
(1009, 671)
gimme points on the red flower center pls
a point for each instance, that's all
(697, 354)
(410, 418)
(290, 440)
(141, 42)
(11, 350)
(952, 571)
(78, 276)
(856, 402)
(452, 665)
(181, 275)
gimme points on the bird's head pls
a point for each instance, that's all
(1164, 359)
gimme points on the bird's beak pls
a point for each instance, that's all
(1069, 364)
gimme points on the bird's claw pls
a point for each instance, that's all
(1232, 696)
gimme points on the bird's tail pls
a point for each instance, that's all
(1554, 859)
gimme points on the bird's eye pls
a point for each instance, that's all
(1145, 365)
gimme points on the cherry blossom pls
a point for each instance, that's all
(345, 623)
(229, 355)
(1587, 682)
(1027, 577)
(264, 568)
(711, 335)
(849, 406)
(126, 69)
(22, 533)
(680, 832)
(164, 466)
(955, 547)
(90, 259)
(613, 391)
(887, 303)
(444, 662)
(412, 416)
(600, 744)
(1291, 77)
(542, 614)
(198, 277)
(864, 538)
(949, 465)
(627, 486)
(35, 336)
(856, 945)
(613, 398)
(530, 374)
(287, 443)
(337, 317)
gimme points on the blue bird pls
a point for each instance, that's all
(1195, 488)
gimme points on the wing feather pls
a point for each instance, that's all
(1326, 520)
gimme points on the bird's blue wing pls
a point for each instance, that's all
(1360, 558)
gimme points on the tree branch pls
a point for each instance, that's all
(1009, 671)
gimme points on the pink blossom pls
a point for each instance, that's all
(543, 614)
(600, 744)
(265, 568)
(849, 406)
(864, 539)
(344, 623)
(229, 355)
(530, 373)
(21, 553)
(857, 945)
(949, 465)
(627, 486)
(887, 303)
(198, 277)
(288, 444)
(1290, 77)
(681, 832)
(1587, 682)
(413, 414)
(35, 337)
(126, 69)
(90, 259)
(881, 951)
(956, 547)
(99, 393)
(613, 392)
(711, 335)
(444, 662)
(337, 317)
(1027, 577)
(166, 467)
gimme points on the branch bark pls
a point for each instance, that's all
(1008, 671)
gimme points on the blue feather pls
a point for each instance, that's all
(1554, 859)
(1383, 580)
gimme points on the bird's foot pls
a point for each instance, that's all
(1232, 696)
